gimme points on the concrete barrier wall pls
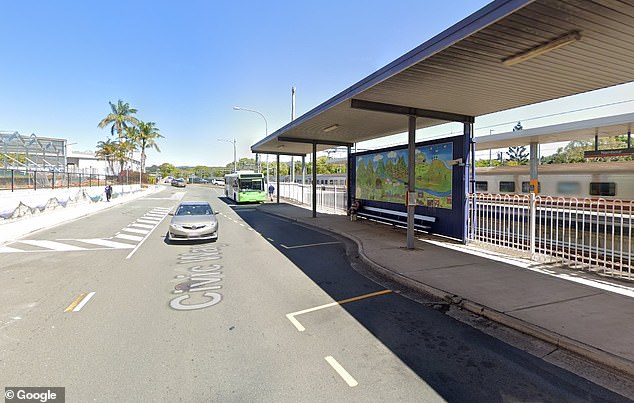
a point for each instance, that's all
(25, 203)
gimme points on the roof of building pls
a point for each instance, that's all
(511, 53)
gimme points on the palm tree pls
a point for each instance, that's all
(122, 153)
(144, 136)
(120, 118)
(106, 150)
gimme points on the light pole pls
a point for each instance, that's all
(235, 165)
(266, 133)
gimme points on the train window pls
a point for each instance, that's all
(508, 187)
(568, 188)
(602, 188)
(482, 186)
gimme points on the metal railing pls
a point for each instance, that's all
(588, 234)
(19, 179)
(332, 199)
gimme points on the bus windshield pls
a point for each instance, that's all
(251, 184)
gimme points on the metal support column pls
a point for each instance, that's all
(411, 180)
(314, 180)
(277, 174)
(534, 162)
(348, 178)
(468, 178)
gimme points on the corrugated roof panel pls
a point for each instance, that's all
(467, 75)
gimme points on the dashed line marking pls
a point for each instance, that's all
(341, 371)
(80, 302)
(295, 322)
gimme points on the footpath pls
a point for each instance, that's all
(573, 310)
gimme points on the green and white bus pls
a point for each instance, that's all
(245, 186)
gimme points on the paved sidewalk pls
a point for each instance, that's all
(573, 310)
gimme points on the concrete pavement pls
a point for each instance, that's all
(573, 310)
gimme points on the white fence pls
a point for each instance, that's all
(593, 235)
(332, 199)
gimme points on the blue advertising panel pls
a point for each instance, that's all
(379, 179)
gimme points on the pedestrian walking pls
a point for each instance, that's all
(271, 191)
(108, 192)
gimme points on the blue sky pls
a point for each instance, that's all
(184, 65)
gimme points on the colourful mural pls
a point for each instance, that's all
(383, 176)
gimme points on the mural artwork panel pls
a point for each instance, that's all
(383, 176)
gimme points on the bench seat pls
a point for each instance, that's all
(391, 216)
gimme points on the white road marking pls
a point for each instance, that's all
(150, 222)
(129, 237)
(138, 225)
(143, 239)
(291, 316)
(310, 245)
(52, 245)
(341, 371)
(295, 322)
(135, 230)
(107, 243)
(6, 249)
(84, 301)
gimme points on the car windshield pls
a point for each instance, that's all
(190, 209)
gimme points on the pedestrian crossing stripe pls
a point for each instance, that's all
(108, 243)
(52, 245)
(129, 237)
(146, 226)
(135, 230)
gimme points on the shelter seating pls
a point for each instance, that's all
(421, 222)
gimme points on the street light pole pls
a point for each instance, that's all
(266, 133)
(235, 165)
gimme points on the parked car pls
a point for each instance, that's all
(193, 220)
(179, 183)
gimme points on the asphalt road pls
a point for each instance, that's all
(272, 311)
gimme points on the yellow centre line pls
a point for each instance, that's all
(79, 303)
(295, 322)
(75, 302)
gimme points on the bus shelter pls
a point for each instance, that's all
(509, 54)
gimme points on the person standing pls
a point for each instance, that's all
(108, 192)
(271, 191)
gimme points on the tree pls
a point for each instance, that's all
(167, 169)
(119, 118)
(518, 155)
(144, 136)
(106, 151)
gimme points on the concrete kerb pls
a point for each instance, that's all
(591, 353)
(581, 349)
